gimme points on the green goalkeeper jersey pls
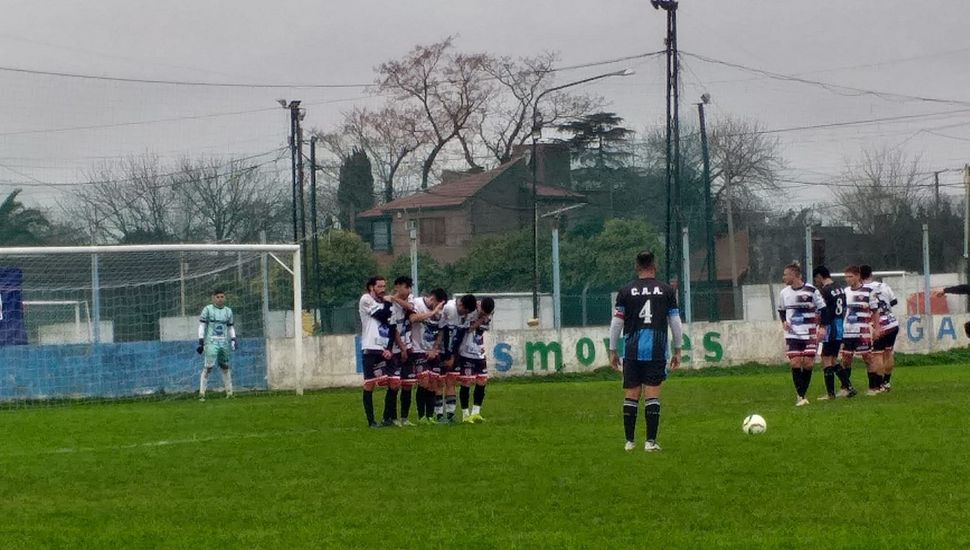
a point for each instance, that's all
(218, 323)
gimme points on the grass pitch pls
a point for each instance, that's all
(546, 470)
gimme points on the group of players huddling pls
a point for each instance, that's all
(426, 341)
(850, 320)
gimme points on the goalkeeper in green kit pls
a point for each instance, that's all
(217, 338)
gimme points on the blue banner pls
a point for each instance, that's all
(13, 331)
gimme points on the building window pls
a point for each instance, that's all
(381, 235)
(432, 231)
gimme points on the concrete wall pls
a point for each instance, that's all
(68, 333)
(334, 360)
(279, 325)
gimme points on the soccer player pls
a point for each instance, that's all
(956, 289)
(217, 338)
(471, 354)
(645, 308)
(861, 316)
(424, 339)
(800, 311)
(376, 341)
(833, 318)
(452, 318)
(402, 377)
(884, 338)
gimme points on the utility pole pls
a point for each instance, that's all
(709, 214)
(673, 211)
(314, 230)
(295, 115)
(966, 225)
(732, 250)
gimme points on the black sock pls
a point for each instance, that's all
(844, 373)
(390, 404)
(875, 380)
(796, 378)
(886, 377)
(439, 402)
(450, 404)
(463, 395)
(429, 402)
(652, 412)
(419, 399)
(478, 395)
(630, 418)
(806, 380)
(405, 403)
(369, 406)
(829, 374)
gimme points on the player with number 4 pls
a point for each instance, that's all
(645, 309)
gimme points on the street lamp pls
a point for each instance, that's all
(536, 131)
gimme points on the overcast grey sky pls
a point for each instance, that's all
(52, 129)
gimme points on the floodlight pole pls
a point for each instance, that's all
(536, 131)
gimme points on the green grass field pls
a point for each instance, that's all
(546, 470)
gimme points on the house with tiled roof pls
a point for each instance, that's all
(448, 216)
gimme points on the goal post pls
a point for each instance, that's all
(103, 322)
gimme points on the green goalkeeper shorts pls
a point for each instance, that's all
(217, 354)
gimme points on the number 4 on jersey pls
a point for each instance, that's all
(645, 313)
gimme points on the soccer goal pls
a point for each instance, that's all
(107, 322)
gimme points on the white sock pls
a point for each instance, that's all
(439, 410)
(450, 408)
(476, 409)
(465, 413)
(227, 380)
(203, 381)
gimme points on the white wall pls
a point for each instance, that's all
(331, 360)
(68, 333)
(280, 325)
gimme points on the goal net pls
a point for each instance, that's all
(87, 323)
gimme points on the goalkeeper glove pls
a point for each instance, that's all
(201, 347)
(233, 344)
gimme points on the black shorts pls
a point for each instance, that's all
(643, 373)
(405, 370)
(856, 345)
(455, 370)
(472, 369)
(830, 348)
(886, 340)
(800, 348)
(376, 368)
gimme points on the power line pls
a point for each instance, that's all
(833, 88)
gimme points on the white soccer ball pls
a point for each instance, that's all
(754, 424)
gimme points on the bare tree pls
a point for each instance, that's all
(505, 120)
(745, 161)
(447, 88)
(136, 200)
(233, 200)
(878, 189)
(388, 136)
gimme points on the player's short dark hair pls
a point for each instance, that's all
(403, 280)
(488, 305)
(468, 302)
(373, 281)
(646, 260)
(821, 271)
(865, 270)
(439, 294)
(218, 290)
(795, 268)
(853, 269)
